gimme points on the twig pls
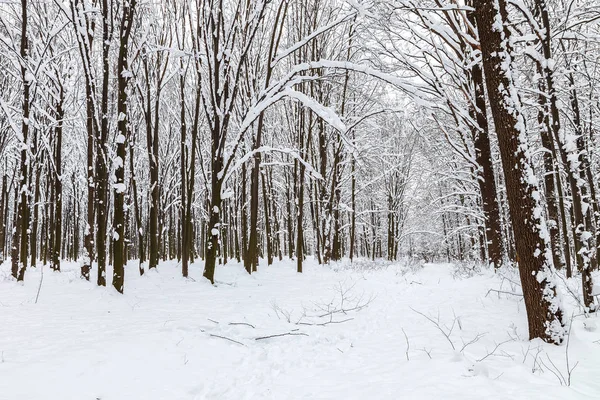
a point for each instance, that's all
(428, 352)
(554, 370)
(496, 348)
(281, 334)
(37, 296)
(226, 338)
(437, 325)
(569, 370)
(503, 292)
(212, 320)
(225, 283)
(407, 344)
(242, 323)
(324, 323)
(474, 340)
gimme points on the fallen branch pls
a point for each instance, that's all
(281, 334)
(407, 345)
(502, 292)
(242, 323)
(37, 296)
(324, 323)
(226, 338)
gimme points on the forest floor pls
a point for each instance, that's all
(370, 330)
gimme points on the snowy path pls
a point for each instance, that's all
(83, 342)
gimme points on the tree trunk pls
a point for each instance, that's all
(268, 234)
(58, 192)
(19, 241)
(486, 180)
(123, 76)
(3, 216)
(101, 157)
(535, 263)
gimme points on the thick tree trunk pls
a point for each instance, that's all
(535, 263)
(212, 242)
(123, 76)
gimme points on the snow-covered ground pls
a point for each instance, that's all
(171, 338)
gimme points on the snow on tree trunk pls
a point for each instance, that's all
(543, 307)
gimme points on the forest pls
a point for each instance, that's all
(168, 143)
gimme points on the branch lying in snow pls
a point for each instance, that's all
(407, 345)
(242, 323)
(324, 323)
(226, 338)
(502, 292)
(281, 334)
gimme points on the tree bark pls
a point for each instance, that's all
(19, 241)
(123, 76)
(535, 263)
(486, 178)
(58, 190)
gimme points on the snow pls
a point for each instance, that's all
(81, 341)
(120, 187)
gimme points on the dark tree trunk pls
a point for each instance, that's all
(352, 205)
(585, 226)
(290, 217)
(543, 311)
(123, 77)
(187, 248)
(269, 238)
(84, 32)
(244, 220)
(152, 143)
(137, 214)
(3, 216)
(212, 242)
(101, 199)
(486, 180)
(39, 159)
(58, 192)
(19, 241)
